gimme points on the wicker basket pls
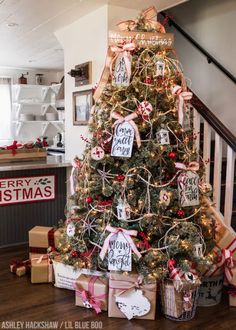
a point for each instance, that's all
(174, 305)
(210, 292)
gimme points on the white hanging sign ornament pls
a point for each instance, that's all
(163, 137)
(188, 182)
(187, 117)
(198, 250)
(160, 67)
(122, 70)
(119, 246)
(70, 229)
(125, 131)
(97, 153)
(123, 210)
(133, 303)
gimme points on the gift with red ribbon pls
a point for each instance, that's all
(224, 264)
(226, 239)
(91, 292)
(41, 238)
(20, 267)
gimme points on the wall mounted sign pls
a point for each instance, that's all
(142, 39)
(27, 189)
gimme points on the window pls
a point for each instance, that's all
(5, 111)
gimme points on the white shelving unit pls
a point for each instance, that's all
(35, 100)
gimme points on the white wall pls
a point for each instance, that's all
(212, 24)
(15, 73)
(84, 40)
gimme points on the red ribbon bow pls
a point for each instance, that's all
(14, 147)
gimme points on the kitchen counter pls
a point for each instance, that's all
(50, 162)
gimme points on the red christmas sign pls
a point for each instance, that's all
(27, 189)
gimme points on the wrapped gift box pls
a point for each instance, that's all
(232, 300)
(66, 275)
(41, 269)
(20, 268)
(91, 292)
(226, 239)
(129, 299)
(41, 238)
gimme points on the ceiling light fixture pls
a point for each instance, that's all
(12, 24)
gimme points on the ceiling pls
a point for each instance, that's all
(31, 43)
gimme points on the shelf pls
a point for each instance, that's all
(38, 121)
(36, 100)
(32, 103)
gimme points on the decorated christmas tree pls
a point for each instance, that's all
(138, 194)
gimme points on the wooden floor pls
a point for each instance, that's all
(22, 301)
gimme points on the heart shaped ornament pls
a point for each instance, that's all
(133, 303)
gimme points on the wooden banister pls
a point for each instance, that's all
(214, 122)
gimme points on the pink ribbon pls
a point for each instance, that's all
(225, 261)
(192, 166)
(125, 51)
(75, 164)
(88, 296)
(183, 96)
(127, 235)
(129, 119)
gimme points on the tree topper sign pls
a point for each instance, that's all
(27, 189)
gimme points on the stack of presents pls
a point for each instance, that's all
(127, 294)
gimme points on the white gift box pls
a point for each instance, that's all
(66, 275)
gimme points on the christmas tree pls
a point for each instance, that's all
(139, 193)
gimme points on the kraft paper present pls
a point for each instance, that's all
(226, 239)
(41, 238)
(119, 283)
(91, 288)
(232, 301)
(20, 268)
(41, 269)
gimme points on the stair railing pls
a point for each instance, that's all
(215, 132)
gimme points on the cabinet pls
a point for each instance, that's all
(31, 107)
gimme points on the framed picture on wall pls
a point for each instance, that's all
(82, 104)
